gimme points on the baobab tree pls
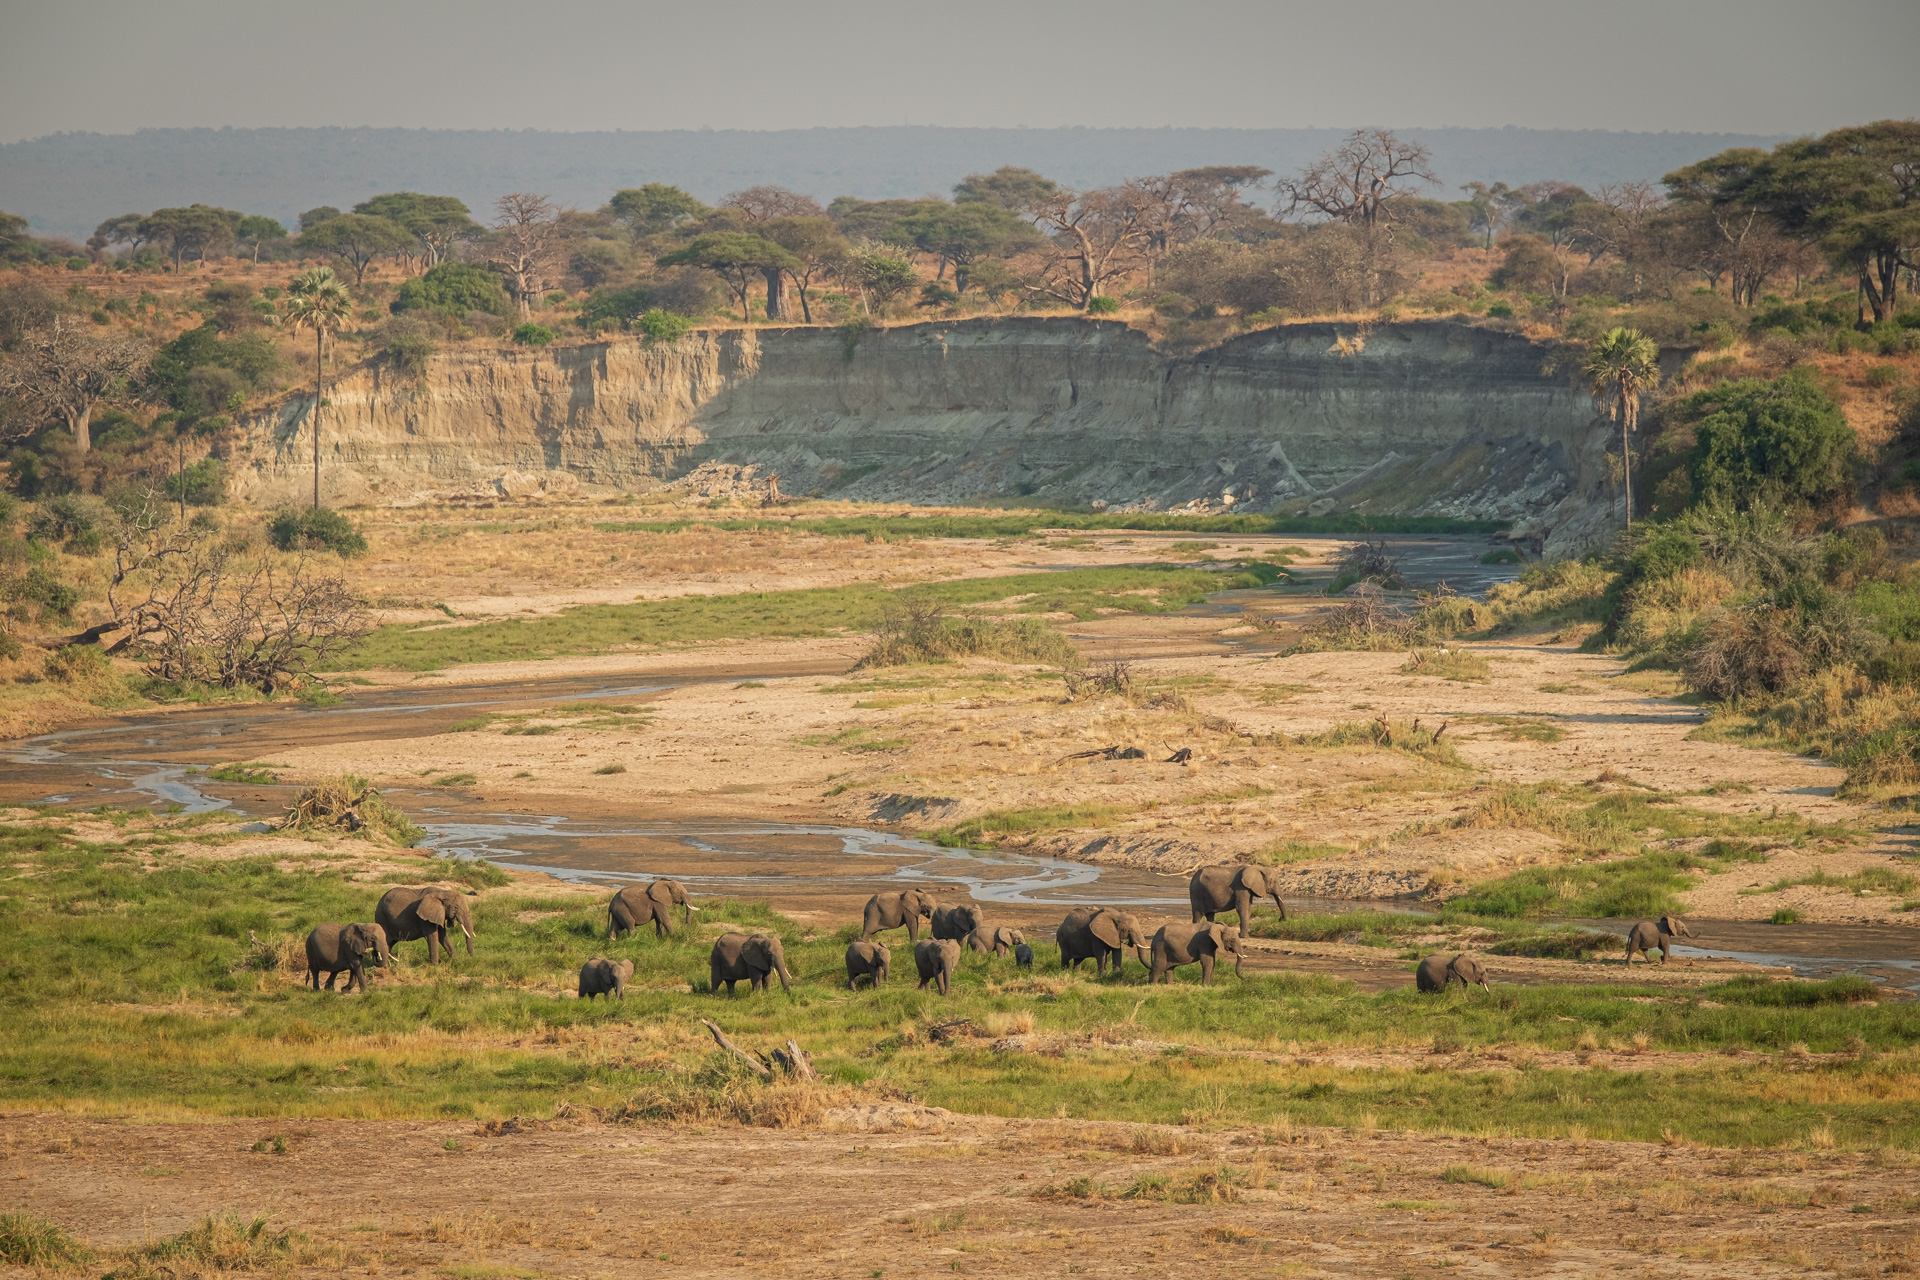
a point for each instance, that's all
(66, 372)
(1356, 183)
(526, 245)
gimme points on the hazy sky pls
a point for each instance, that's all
(1749, 66)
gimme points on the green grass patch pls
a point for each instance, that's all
(1865, 880)
(127, 988)
(1084, 593)
(256, 773)
(988, 829)
(1447, 664)
(29, 1241)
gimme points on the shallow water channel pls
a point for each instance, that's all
(830, 867)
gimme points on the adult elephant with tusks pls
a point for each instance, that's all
(892, 910)
(748, 958)
(408, 915)
(1233, 886)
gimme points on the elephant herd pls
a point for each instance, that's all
(1103, 935)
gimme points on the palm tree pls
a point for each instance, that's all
(317, 300)
(1623, 365)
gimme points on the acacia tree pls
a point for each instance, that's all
(317, 300)
(878, 272)
(526, 245)
(1623, 365)
(436, 222)
(67, 372)
(963, 234)
(259, 230)
(815, 245)
(355, 237)
(1857, 192)
(654, 209)
(194, 228)
(1356, 183)
(763, 204)
(736, 257)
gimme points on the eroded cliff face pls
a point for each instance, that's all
(1427, 418)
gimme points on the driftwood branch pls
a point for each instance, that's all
(795, 1061)
(941, 1032)
(720, 1038)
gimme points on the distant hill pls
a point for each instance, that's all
(68, 183)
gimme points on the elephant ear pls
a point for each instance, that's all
(1254, 881)
(432, 910)
(1104, 927)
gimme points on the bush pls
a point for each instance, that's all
(78, 664)
(315, 529)
(1768, 444)
(347, 803)
(916, 631)
(409, 353)
(663, 326)
(76, 519)
(1775, 642)
(1101, 305)
(533, 335)
(204, 483)
(454, 289)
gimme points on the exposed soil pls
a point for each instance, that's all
(902, 1190)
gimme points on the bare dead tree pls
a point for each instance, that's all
(1194, 204)
(1357, 182)
(65, 372)
(526, 246)
(1095, 236)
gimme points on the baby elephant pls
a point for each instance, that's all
(334, 949)
(1436, 972)
(996, 940)
(1649, 934)
(868, 960)
(936, 959)
(601, 976)
(1023, 956)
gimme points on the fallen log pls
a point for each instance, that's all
(720, 1038)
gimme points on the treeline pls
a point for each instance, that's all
(1346, 234)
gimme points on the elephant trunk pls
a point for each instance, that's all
(1278, 905)
(1237, 958)
(781, 969)
(469, 932)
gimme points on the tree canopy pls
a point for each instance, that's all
(357, 238)
(454, 288)
(1760, 443)
(736, 257)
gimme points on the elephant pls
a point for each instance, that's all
(1655, 933)
(1023, 957)
(738, 957)
(957, 922)
(998, 941)
(1100, 934)
(601, 976)
(410, 914)
(891, 910)
(1178, 944)
(937, 959)
(1435, 972)
(634, 906)
(869, 960)
(334, 949)
(1232, 886)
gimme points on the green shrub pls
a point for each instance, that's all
(315, 529)
(453, 288)
(660, 325)
(78, 664)
(1768, 444)
(533, 335)
(78, 520)
(1885, 375)
(409, 353)
(1898, 663)
(1101, 305)
(204, 483)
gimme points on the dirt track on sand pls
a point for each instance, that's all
(961, 1194)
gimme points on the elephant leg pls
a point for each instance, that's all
(313, 979)
(356, 976)
(1206, 971)
(332, 976)
(1666, 949)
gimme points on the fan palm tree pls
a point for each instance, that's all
(317, 300)
(1623, 365)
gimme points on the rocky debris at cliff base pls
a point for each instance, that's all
(509, 486)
